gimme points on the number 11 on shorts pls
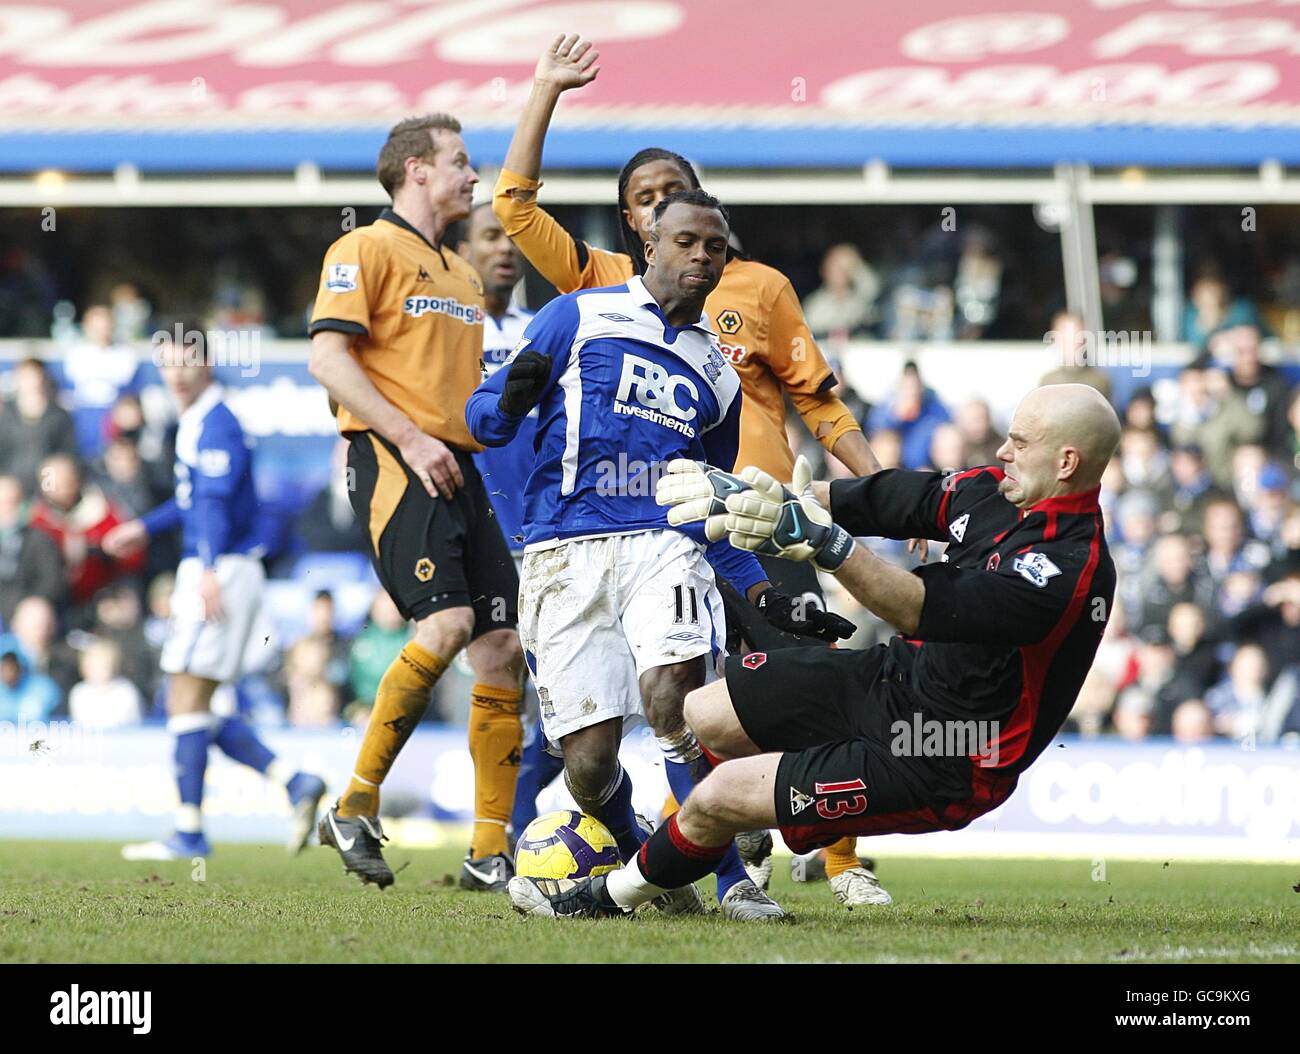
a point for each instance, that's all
(682, 596)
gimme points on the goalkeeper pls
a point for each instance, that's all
(997, 639)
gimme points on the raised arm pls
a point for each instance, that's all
(557, 255)
(568, 63)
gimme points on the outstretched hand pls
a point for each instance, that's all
(695, 491)
(568, 63)
(773, 520)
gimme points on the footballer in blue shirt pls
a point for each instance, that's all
(620, 614)
(216, 598)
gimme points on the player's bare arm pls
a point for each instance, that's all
(887, 591)
(336, 368)
(568, 63)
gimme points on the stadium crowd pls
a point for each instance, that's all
(1202, 505)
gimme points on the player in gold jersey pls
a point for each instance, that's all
(397, 340)
(763, 334)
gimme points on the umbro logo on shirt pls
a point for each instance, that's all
(614, 316)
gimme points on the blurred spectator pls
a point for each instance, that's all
(1076, 353)
(1143, 461)
(981, 440)
(1196, 666)
(1263, 387)
(1191, 489)
(1237, 702)
(32, 426)
(131, 313)
(1151, 693)
(118, 620)
(1210, 415)
(1169, 578)
(158, 601)
(24, 695)
(921, 305)
(914, 412)
(375, 648)
(977, 287)
(98, 370)
(1226, 548)
(947, 448)
(36, 629)
(1212, 309)
(1267, 509)
(121, 476)
(1123, 303)
(328, 524)
(77, 517)
(316, 667)
(1192, 722)
(845, 304)
(103, 698)
(1140, 413)
(30, 562)
(1134, 525)
(314, 705)
(1273, 623)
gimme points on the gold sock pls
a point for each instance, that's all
(402, 698)
(670, 807)
(841, 856)
(496, 737)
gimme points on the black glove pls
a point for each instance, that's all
(797, 615)
(525, 382)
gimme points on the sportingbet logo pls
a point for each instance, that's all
(416, 306)
(656, 392)
(102, 1008)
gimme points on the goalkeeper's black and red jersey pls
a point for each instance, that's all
(1013, 615)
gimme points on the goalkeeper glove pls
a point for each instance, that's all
(770, 520)
(525, 382)
(796, 615)
(696, 491)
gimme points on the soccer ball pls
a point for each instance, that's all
(565, 844)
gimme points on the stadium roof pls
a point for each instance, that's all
(263, 85)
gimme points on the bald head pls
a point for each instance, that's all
(1059, 442)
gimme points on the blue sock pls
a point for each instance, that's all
(682, 777)
(537, 768)
(190, 733)
(240, 743)
(617, 814)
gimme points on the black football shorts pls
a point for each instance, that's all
(432, 553)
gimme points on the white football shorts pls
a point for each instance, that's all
(596, 613)
(213, 649)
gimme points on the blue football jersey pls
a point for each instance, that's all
(505, 468)
(215, 504)
(628, 392)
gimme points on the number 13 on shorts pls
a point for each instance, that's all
(849, 805)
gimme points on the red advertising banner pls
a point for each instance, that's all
(223, 65)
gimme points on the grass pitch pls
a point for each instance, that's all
(79, 902)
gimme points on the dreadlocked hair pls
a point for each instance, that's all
(631, 241)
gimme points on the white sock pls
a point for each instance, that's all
(280, 771)
(629, 888)
(189, 819)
